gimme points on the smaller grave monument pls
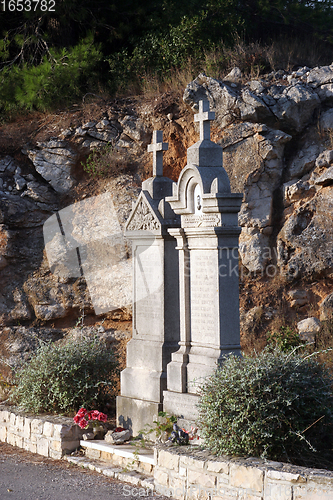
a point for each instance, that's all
(155, 298)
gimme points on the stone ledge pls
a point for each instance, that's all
(126, 451)
(128, 457)
(133, 477)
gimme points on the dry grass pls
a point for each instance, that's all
(175, 80)
(286, 53)
(107, 161)
(254, 59)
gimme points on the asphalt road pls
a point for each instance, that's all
(26, 476)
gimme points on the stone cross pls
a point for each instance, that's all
(157, 148)
(204, 117)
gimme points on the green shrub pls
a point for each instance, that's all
(164, 424)
(274, 405)
(285, 339)
(63, 377)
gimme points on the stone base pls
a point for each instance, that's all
(183, 405)
(134, 414)
(148, 384)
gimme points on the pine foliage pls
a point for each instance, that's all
(48, 58)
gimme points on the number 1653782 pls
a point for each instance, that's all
(28, 5)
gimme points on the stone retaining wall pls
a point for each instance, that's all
(193, 474)
(48, 436)
(184, 473)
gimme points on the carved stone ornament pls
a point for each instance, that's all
(143, 218)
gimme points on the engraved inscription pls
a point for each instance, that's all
(204, 297)
(204, 220)
(148, 280)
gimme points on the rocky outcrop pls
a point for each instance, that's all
(25, 204)
(291, 106)
(255, 121)
(276, 132)
(29, 289)
(321, 80)
(253, 158)
(121, 132)
(55, 161)
(304, 242)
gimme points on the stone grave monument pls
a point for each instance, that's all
(155, 298)
(185, 282)
(207, 242)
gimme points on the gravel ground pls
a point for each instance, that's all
(27, 476)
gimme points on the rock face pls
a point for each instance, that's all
(29, 289)
(326, 308)
(55, 161)
(253, 159)
(305, 240)
(276, 132)
(264, 126)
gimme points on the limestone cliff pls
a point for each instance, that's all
(277, 135)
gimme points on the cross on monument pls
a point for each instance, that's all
(157, 147)
(204, 117)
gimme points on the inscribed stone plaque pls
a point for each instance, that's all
(203, 220)
(204, 296)
(148, 293)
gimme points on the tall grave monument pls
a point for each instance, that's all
(185, 282)
(207, 242)
(155, 298)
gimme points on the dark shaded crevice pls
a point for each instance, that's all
(290, 149)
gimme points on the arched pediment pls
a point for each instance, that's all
(211, 181)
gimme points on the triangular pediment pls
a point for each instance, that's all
(143, 216)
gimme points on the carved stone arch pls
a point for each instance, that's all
(193, 182)
(212, 181)
(183, 192)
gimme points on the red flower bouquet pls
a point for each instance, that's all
(93, 418)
